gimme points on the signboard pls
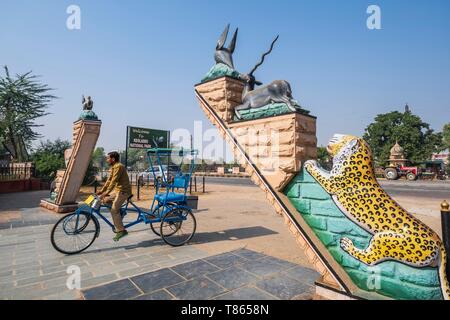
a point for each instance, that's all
(142, 138)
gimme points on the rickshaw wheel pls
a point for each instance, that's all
(178, 227)
(156, 226)
(68, 239)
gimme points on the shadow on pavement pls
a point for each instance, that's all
(201, 237)
(22, 200)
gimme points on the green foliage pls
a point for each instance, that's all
(91, 171)
(3, 150)
(99, 158)
(48, 157)
(446, 135)
(323, 158)
(137, 159)
(446, 138)
(185, 167)
(415, 136)
(23, 99)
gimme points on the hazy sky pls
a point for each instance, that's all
(140, 59)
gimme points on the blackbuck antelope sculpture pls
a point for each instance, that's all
(225, 55)
(278, 91)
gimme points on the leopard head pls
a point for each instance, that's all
(341, 147)
(339, 142)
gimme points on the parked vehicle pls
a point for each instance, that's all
(146, 177)
(394, 173)
(436, 169)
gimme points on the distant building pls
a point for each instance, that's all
(441, 156)
(397, 156)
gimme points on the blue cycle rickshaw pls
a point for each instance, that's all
(169, 216)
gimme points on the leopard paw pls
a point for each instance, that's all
(347, 245)
(310, 164)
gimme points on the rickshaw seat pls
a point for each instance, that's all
(170, 197)
(180, 181)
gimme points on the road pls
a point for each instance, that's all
(438, 190)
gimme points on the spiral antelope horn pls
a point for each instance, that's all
(264, 56)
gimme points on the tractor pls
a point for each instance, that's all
(394, 173)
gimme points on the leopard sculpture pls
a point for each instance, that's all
(396, 234)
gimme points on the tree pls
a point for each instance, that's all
(137, 159)
(323, 158)
(415, 136)
(48, 157)
(98, 158)
(90, 175)
(446, 135)
(23, 99)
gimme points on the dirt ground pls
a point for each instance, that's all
(231, 217)
(425, 209)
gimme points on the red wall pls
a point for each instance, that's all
(20, 185)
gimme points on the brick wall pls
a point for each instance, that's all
(32, 184)
(390, 278)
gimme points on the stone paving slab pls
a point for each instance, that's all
(30, 268)
(237, 275)
(246, 293)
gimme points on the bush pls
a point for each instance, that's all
(48, 157)
(91, 172)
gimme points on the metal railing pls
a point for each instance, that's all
(16, 171)
(134, 181)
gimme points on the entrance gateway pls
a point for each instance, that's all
(362, 242)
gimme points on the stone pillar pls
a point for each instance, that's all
(223, 94)
(69, 181)
(276, 145)
(272, 151)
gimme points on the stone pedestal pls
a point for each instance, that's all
(223, 94)
(69, 181)
(272, 151)
(276, 145)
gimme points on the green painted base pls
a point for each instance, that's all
(270, 110)
(88, 115)
(220, 70)
(391, 278)
(53, 196)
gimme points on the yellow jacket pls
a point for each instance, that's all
(118, 180)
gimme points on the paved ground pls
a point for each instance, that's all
(432, 190)
(237, 275)
(230, 217)
(22, 210)
(422, 198)
(31, 269)
(411, 187)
